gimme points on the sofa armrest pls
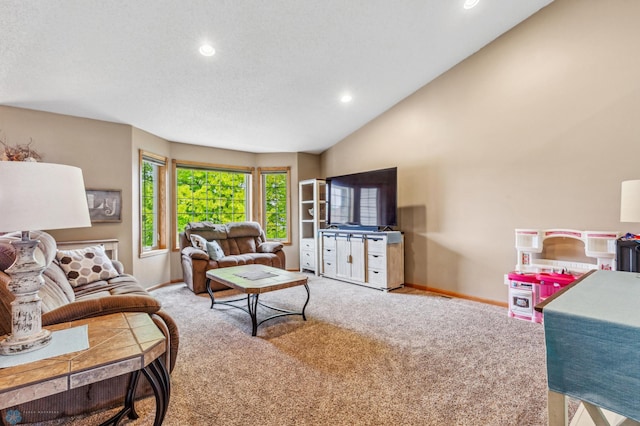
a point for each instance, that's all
(269, 247)
(169, 328)
(119, 266)
(81, 309)
(195, 253)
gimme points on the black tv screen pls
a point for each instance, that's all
(366, 199)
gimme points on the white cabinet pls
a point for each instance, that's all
(308, 258)
(328, 257)
(373, 259)
(385, 261)
(350, 257)
(312, 200)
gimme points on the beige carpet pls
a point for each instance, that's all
(363, 357)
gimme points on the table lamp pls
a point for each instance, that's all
(35, 196)
(630, 201)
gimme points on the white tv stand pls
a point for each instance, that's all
(371, 258)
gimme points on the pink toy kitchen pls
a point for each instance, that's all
(551, 259)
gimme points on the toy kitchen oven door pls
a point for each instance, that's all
(549, 260)
(523, 296)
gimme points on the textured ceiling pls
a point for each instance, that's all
(275, 81)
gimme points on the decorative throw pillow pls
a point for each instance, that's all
(87, 265)
(198, 242)
(214, 250)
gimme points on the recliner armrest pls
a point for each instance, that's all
(195, 253)
(269, 247)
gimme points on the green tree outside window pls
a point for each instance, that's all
(152, 202)
(275, 205)
(218, 196)
(149, 203)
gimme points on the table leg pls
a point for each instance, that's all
(208, 285)
(161, 371)
(252, 305)
(306, 287)
(557, 409)
(129, 400)
(159, 380)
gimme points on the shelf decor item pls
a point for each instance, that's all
(18, 153)
(35, 196)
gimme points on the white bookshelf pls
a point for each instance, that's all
(312, 200)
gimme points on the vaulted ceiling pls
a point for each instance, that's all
(275, 82)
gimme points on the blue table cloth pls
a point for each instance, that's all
(592, 334)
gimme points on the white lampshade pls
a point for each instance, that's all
(630, 201)
(41, 196)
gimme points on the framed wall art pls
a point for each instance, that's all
(105, 205)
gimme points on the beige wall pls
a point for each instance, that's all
(101, 149)
(154, 268)
(537, 130)
(309, 167)
(108, 154)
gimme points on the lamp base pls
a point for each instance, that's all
(16, 346)
(27, 333)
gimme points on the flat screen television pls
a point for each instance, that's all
(366, 200)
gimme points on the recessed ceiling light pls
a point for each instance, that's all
(207, 50)
(468, 4)
(346, 98)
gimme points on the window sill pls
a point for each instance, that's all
(152, 253)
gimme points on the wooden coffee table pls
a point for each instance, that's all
(254, 280)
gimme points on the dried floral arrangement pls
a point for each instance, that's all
(19, 153)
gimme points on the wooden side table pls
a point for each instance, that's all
(119, 344)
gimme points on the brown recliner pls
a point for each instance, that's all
(243, 243)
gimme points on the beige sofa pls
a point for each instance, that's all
(240, 243)
(62, 302)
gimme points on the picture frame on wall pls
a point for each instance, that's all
(105, 205)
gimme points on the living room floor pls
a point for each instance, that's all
(363, 357)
